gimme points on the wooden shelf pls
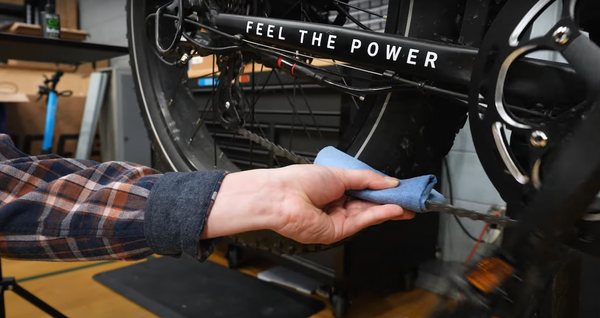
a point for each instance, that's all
(36, 30)
(39, 49)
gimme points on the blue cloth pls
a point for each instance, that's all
(411, 194)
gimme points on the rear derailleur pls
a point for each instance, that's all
(230, 101)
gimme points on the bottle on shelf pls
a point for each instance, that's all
(50, 21)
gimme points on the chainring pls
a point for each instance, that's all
(518, 176)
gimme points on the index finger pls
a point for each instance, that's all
(364, 179)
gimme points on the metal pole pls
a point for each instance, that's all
(2, 289)
(93, 105)
(37, 302)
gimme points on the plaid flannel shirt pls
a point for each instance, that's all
(58, 209)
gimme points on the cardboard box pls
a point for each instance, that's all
(17, 2)
(27, 81)
(26, 123)
(12, 97)
(69, 13)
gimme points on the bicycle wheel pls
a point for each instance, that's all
(403, 134)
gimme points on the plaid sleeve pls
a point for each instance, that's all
(58, 209)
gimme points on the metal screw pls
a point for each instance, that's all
(562, 35)
(227, 105)
(539, 139)
(185, 58)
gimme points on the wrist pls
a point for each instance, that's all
(246, 201)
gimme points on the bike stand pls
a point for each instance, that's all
(10, 284)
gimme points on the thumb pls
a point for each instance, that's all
(364, 179)
(372, 216)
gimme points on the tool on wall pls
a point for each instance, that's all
(49, 89)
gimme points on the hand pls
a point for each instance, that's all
(304, 202)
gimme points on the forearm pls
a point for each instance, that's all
(65, 210)
(58, 209)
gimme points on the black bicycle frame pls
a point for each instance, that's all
(370, 49)
(443, 63)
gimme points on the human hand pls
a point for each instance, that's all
(306, 203)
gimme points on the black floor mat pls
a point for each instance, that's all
(177, 288)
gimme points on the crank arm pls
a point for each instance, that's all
(473, 215)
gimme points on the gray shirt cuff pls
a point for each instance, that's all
(176, 212)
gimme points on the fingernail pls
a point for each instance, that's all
(393, 181)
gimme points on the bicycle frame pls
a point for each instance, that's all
(443, 63)
(380, 51)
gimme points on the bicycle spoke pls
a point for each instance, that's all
(254, 121)
(352, 18)
(361, 9)
(253, 79)
(265, 136)
(200, 121)
(312, 115)
(214, 112)
(345, 83)
(292, 8)
(207, 75)
(295, 111)
(304, 12)
(176, 89)
(262, 89)
(255, 100)
(293, 116)
(233, 134)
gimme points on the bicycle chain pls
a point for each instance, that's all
(470, 214)
(276, 149)
(431, 206)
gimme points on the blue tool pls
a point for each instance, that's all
(49, 89)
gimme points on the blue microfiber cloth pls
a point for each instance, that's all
(411, 194)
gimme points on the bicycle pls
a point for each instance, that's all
(414, 85)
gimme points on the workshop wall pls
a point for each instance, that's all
(105, 21)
